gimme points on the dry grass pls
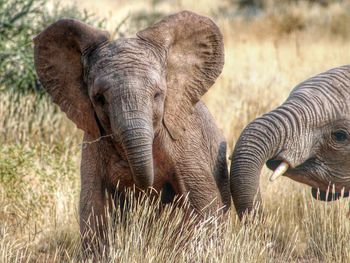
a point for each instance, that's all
(40, 153)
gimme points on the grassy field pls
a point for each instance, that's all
(265, 58)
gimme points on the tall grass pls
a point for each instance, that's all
(40, 154)
(30, 118)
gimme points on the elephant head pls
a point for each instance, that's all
(307, 138)
(130, 87)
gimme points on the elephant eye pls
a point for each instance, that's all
(157, 95)
(99, 99)
(340, 135)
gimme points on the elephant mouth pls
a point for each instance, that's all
(317, 193)
(283, 167)
(272, 164)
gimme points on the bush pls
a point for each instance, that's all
(265, 3)
(18, 24)
(20, 21)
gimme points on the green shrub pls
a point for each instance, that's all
(20, 21)
(18, 24)
(265, 3)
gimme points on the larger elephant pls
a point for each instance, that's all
(307, 139)
(141, 97)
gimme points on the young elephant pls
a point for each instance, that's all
(307, 138)
(146, 92)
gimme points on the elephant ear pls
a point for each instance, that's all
(194, 52)
(58, 52)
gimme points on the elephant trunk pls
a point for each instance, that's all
(135, 136)
(137, 145)
(260, 141)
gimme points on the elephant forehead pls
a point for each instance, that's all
(126, 55)
(126, 83)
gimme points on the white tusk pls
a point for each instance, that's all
(280, 170)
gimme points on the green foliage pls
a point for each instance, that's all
(22, 166)
(250, 3)
(20, 21)
(18, 24)
(255, 8)
(142, 19)
(264, 3)
(71, 11)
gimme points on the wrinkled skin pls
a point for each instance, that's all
(310, 131)
(146, 92)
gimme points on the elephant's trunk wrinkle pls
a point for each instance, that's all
(270, 130)
(296, 117)
(261, 140)
(139, 148)
(135, 133)
(301, 101)
(140, 162)
(136, 129)
(292, 123)
(281, 123)
(320, 94)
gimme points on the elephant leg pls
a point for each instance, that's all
(221, 176)
(108, 208)
(94, 200)
(93, 219)
(204, 179)
(200, 188)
